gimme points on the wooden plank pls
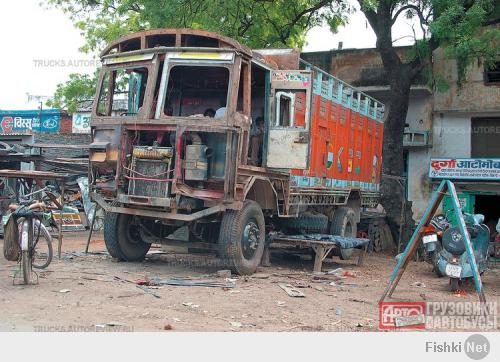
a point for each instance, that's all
(468, 245)
(292, 291)
(415, 239)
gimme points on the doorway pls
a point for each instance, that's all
(489, 206)
(484, 137)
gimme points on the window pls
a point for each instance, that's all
(197, 91)
(129, 88)
(290, 108)
(102, 106)
(492, 75)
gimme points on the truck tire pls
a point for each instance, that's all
(344, 224)
(242, 238)
(122, 239)
(307, 222)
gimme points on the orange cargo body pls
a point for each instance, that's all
(345, 150)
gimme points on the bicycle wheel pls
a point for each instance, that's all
(26, 240)
(42, 249)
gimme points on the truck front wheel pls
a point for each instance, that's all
(344, 224)
(242, 238)
(122, 239)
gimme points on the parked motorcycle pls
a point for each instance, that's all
(432, 238)
(452, 260)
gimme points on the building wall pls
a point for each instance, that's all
(450, 138)
(473, 96)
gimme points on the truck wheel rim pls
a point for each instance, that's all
(133, 234)
(250, 239)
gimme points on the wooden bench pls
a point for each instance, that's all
(321, 247)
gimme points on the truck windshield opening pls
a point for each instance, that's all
(197, 91)
(122, 92)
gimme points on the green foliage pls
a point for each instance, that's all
(459, 30)
(256, 23)
(78, 88)
(460, 27)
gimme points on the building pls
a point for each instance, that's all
(460, 123)
(47, 126)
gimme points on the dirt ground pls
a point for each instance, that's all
(80, 293)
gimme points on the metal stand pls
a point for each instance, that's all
(445, 187)
(91, 229)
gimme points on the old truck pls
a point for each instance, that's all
(199, 141)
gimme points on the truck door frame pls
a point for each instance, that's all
(282, 81)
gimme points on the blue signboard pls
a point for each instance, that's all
(31, 121)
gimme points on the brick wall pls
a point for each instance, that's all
(65, 139)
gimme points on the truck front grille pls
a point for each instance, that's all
(147, 166)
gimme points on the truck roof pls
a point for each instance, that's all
(162, 40)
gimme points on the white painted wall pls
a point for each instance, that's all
(450, 138)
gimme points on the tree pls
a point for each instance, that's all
(256, 23)
(455, 25)
(78, 88)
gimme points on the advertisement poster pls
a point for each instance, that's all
(28, 122)
(81, 123)
(465, 168)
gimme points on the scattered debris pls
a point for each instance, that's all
(114, 324)
(147, 290)
(337, 271)
(338, 311)
(156, 252)
(261, 276)
(301, 284)
(189, 304)
(127, 295)
(358, 300)
(419, 284)
(186, 283)
(64, 291)
(349, 274)
(224, 273)
(319, 288)
(304, 328)
(140, 281)
(460, 293)
(422, 295)
(167, 327)
(291, 291)
(280, 303)
(236, 324)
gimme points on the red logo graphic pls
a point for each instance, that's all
(7, 123)
(403, 315)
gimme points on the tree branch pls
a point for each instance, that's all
(410, 7)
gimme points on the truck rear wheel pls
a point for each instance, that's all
(307, 222)
(242, 238)
(344, 224)
(122, 239)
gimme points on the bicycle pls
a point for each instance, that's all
(29, 217)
